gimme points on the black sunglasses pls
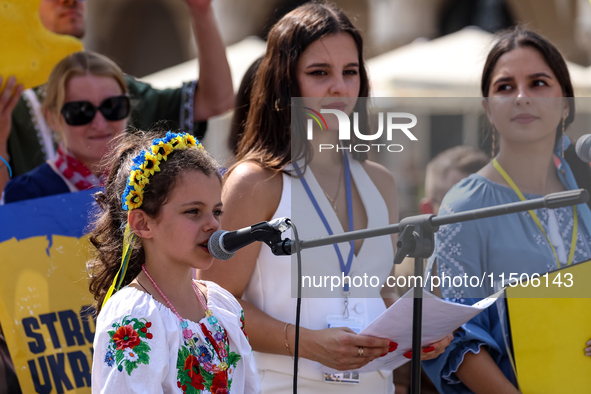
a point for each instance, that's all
(78, 113)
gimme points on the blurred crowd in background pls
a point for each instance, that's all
(415, 49)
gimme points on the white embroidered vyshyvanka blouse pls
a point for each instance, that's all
(139, 347)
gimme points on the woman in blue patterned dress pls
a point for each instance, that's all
(528, 101)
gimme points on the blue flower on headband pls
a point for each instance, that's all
(138, 160)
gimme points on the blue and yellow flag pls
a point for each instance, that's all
(44, 296)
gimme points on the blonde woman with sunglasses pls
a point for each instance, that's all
(87, 104)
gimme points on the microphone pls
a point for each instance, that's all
(583, 148)
(223, 244)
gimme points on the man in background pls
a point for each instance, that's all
(445, 170)
(63, 16)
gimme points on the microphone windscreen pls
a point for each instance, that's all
(215, 247)
(583, 148)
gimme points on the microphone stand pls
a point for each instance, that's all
(416, 240)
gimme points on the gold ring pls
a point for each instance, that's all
(360, 352)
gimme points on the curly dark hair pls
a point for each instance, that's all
(108, 228)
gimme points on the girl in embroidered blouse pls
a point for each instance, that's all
(529, 104)
(87, 104)
(163, 332)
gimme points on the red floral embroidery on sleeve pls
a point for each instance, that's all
(128, 347)
(126, 336)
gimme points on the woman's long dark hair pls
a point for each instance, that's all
(267, 139)
(519, 37)
(108, 229)
(242, 107)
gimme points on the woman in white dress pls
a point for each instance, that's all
(313, 52)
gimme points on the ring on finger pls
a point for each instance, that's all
(360, 352)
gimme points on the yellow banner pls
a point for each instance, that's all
(27, 49)
(549, 335)
(44, 312)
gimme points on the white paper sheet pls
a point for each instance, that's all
(439, 319)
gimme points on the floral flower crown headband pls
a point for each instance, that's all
(146, 163)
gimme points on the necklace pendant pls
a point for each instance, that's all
(187, 333)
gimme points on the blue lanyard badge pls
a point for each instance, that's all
(345, 268)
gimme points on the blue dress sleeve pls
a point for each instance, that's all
(462, 251)
(484, 331)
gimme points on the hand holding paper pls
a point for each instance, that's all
(440, 318)
(338, 347)
(434, 350)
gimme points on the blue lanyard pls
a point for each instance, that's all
(345, 268)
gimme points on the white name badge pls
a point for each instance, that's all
(356, 325)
